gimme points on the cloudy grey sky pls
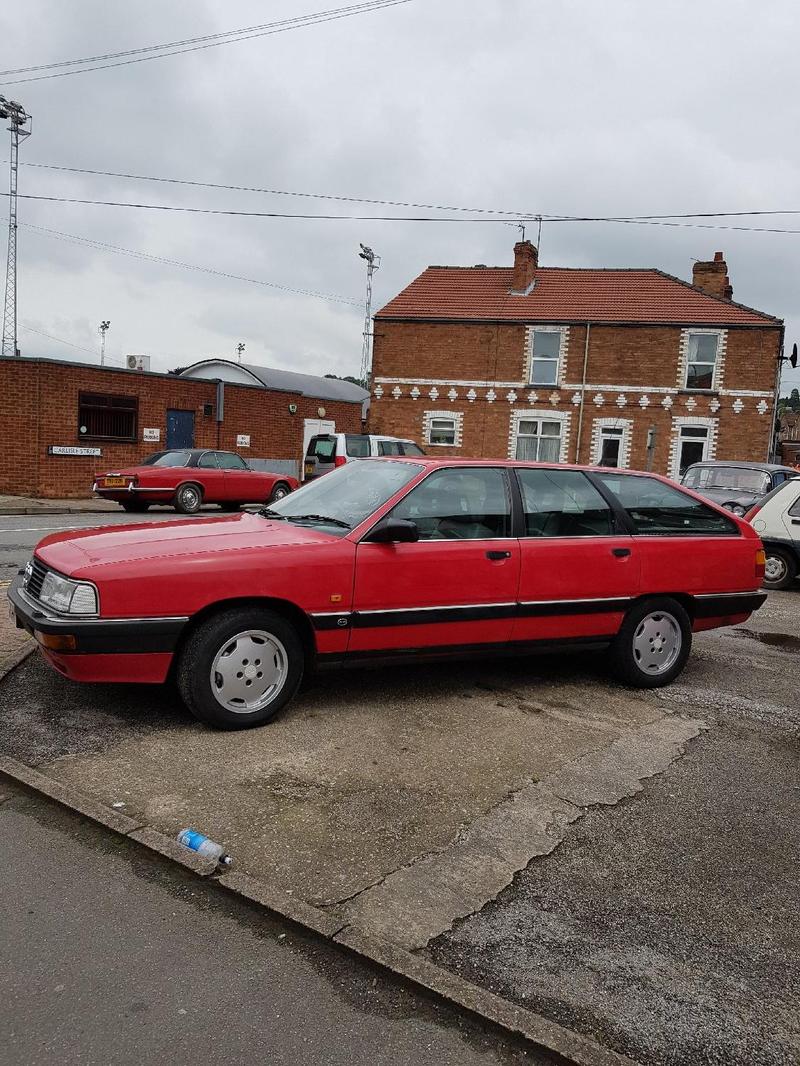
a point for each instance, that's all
(577, 107)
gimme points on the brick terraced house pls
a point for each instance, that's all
(630, 368)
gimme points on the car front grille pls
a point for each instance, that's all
(35, 579)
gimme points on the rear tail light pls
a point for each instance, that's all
(750, 515)
(761, 558)
(339, 460)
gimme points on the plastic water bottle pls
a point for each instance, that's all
(195, 841)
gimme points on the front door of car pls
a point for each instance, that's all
(211, 478)
(457, 585)
(239, 483)
(578, 570)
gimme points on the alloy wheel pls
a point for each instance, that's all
(657, 643)
(249, 671)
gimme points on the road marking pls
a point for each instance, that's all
(36, 529)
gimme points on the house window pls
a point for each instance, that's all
(104, 417)
(701, 360)
(539, 440)
(545, 356)
(692, 446)
(442, 428)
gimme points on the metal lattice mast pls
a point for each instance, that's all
(19, 119)
(373, 263)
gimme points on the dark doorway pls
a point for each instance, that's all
(180, 429)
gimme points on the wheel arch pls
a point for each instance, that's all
(288, 610)
(685, 600)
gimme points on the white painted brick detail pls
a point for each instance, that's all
(564, 417)
(457, 417)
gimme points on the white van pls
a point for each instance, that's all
(776, 519)
(326, 451)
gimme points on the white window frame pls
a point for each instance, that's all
(719, 363)
(456, 417)
(563, 332)
(543, 415)
(709, 442)
(599, 426)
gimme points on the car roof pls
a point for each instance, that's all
(196, 451)
(455, 461)
(741, 464)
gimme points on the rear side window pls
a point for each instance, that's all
(323, 448)
(662, 510)
(563, 503)
(409, 448)
(389, 447)
(356, 447)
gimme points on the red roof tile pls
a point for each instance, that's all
(566, 295)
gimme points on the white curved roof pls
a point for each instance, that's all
(267, 377)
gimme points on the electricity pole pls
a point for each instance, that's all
(104, 328)
(373, 263)
(19, 119)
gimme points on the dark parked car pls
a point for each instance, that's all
(735, 486)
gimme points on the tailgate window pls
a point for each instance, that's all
(322, 448)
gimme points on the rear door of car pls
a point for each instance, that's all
(579, 566)
(457, 585)
(320, 455)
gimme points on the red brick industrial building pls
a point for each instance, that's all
(632, 368)
(113, 417)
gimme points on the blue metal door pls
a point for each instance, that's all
(180, 429)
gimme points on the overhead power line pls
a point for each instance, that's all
(193, 44)
(644, 221)
(60, 340)
(148, 257)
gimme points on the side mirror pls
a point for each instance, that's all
(394, 531)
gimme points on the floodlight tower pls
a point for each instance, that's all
(239, 349)
(373, 263)
(104, 327)
(20, 128)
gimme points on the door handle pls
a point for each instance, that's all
(621, 553)
(498, 555)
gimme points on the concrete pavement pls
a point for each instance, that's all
(111, 956)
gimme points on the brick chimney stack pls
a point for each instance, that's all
(713, 277)
(526, 260)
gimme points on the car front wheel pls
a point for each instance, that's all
(188, 499)
(780, 569)
(278, 493)
(653, 643)
(239, 668)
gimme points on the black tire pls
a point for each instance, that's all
(135, 506)
(278, 492)
(212, 638)
(781, 566)
(230, 507)
(670, 635)
(188, 498)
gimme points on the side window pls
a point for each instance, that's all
(208, 461)
(470, 504)
(230, 461)
(389, 447)
(563, 503)
(323, 448)
(356, 447)
(663, 510)
(794, 510)
(411, 449)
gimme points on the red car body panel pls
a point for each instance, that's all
(158, 484)
(360, 597)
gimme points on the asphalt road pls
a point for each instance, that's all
(19, 534)
(108, 954)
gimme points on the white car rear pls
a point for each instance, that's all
(326, 451)
(776, 519)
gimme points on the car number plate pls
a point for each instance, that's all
(309, 468)
(109, 481)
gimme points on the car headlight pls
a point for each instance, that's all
(68, 597)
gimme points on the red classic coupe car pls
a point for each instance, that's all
(188, 478)
(387, 557)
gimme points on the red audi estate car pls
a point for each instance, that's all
(189, 477)
(388, 557)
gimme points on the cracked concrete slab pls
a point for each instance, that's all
(422, 900)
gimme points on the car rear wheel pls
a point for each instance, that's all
(653, 644)
(278, 493)
(239, 668)
(188, 499)
(780, 569)
(135, 506)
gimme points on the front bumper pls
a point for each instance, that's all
(95, 636)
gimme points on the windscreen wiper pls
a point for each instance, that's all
(267, 512)
(319, 518)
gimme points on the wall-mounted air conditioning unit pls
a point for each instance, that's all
(137, 362)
